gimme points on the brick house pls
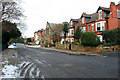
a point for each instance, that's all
(103, 19)
(71, 30)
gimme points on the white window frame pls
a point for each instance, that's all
(71, 24)
(83, 20)
(100, 14)
(92, 27)
(72, 31)
(84, 29)
(101, 25)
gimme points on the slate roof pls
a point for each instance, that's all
(93, 18)
(104, 9)
(52, 25)
(86, 15)
(74, 19)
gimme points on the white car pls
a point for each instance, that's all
(12, 46)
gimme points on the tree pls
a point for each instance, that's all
(56, 31)
(78, 33)
(11, 11)
(28, 39)
(90, 39)
(9, 30)
(65, 30)
(11, 18)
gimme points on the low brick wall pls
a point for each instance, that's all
(81, 48)
(95, 49)
(86, 49)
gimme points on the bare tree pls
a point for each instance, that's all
(56, 31)
(11, 11)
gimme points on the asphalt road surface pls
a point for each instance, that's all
(52, 64)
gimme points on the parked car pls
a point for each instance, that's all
(12, 46)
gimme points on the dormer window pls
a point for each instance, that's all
(100, 14)
(71, 23)
(83, 20)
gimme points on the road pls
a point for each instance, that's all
(52, 64)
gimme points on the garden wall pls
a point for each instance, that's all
(81, 48)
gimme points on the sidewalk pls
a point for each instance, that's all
(74, 52)
(8, 63)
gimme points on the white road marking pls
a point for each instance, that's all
(37, 73)
(27, 70)
(33, 69)
(39, 61)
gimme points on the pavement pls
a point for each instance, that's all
(75, 52)
(12, 66)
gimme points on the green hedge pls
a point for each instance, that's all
(90, 39)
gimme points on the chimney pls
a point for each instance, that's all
(84, 12)
(119, 2)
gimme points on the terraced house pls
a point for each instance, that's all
(103, 19)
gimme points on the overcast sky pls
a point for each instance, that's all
(38, 12)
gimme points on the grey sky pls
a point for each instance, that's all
(38, 12)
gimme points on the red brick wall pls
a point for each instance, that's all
(87, 28)
(113, 18)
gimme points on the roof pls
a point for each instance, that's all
(86, 15)
(74, 19)
(104, 9)
(93, 18)
(51, 25)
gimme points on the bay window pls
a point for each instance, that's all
(98, 26)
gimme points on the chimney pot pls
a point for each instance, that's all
(112, 3)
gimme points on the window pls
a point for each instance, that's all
(72, 32)
(89, 27)
(71, 23)
(72, 40)
(92, 27)
(84, 29)
(83, 20)
(98, 26)
(100, 14)
(69, 32)
(118, 13)
(103, 26)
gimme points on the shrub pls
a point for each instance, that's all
(90, 39)
(112, 36)
(76, 43)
